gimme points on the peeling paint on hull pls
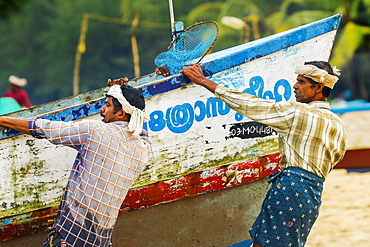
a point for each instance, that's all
(161, 192)
(199, 144)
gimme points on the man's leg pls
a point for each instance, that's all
(53, 239)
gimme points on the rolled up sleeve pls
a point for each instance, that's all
(72, 134)
(277, 115)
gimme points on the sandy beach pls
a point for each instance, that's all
(344, 218)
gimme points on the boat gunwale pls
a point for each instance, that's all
(211, 64)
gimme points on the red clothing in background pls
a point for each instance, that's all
(20, 96)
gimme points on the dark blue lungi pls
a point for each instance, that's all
(289, 210)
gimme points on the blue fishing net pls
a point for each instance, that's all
(189, 47)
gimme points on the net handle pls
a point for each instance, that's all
(179, 74)
(172, 16)
(210, 47)
(188, 28)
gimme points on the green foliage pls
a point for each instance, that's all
(41, 47)
(150, 10)
(242, 8)
(302, 18)
(352, 42)
(349, 42)
(9, 7)
(204, 12)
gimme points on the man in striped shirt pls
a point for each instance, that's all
(111, 155)
(312, 140)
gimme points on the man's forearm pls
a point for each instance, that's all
(195, 74)
(210, 85)
(16, 124)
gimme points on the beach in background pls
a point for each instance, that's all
(344, 218)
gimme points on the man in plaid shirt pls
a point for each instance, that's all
(312, 140)
(111, 155)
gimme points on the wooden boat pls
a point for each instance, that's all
(356, 118)
(206, 179)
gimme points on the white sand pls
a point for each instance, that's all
(344, 218)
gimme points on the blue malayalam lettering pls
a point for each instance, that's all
(156, 122)
(223, 109)
(256, 83)
(202, 111)
(282, 83)
(211, 107)
(180, 118)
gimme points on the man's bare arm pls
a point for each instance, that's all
(16, 124)
(195, 74)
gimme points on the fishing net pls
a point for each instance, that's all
(189, 47)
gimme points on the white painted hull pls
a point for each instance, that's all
(192, 134)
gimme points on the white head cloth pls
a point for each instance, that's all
(318, 75)
(20, 82)
(138, 117)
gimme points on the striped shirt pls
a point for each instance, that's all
(108, 162)
(310, 135)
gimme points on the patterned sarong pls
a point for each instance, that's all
(289, 209)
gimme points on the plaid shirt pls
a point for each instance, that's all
(109, 160)
(310, 135)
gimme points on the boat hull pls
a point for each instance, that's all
(356, 120)
(199, 144)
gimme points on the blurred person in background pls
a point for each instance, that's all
(16, 92)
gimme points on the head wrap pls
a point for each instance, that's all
(138, 117)
(318, 75)
(20, 82)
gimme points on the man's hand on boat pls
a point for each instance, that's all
(162, 71)
(120, 81)
(195, 73)
(18, 124)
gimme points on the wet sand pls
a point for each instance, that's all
(344, 218)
